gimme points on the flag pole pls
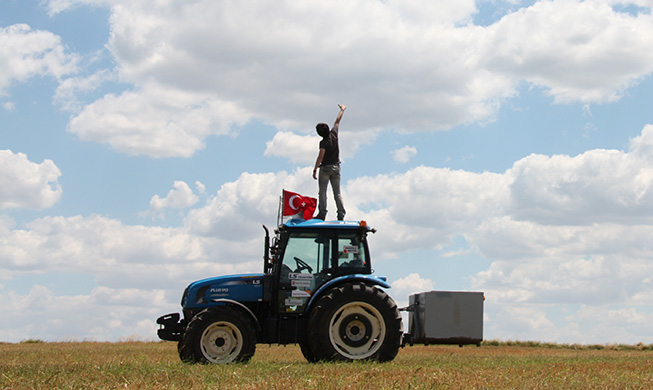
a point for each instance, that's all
(279, 210)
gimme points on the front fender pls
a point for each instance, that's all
(367, 279)
(222, 302)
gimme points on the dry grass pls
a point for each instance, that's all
(138, 365)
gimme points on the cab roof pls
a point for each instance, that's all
(320, 224)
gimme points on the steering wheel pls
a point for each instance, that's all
(302, 265)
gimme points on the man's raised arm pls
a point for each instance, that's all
(342, 110)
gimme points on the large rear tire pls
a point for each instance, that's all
(218, 335)
(355, 322)
(305, 347)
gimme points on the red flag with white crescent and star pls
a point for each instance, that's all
(294, 203)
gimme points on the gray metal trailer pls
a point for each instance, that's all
(445, 317)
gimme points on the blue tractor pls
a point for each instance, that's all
(316, 290)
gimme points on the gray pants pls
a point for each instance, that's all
(329, 174)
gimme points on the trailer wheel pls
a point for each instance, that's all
(218, 335)
(355, 322)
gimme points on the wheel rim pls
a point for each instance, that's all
(221, 342)
(357, 330)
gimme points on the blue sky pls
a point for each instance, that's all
(497, 146)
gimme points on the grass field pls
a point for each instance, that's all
(155, 365)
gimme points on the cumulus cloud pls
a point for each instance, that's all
(425, 206)
(66, 93)
(238, 208)
(404, 154)
(300, 149)
(404, 287)
(303, 149)
(596, 186)
(181, 196)
(98, 316)
(119, 256)
(156, 121)
(56, 6)
(27, 185)
(197, 69)
(411, 284)
(593, 61)
(26, 53)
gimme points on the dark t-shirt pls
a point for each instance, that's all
(330, 145)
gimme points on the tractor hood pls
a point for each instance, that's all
(241, 288)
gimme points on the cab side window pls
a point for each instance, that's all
(351, 253)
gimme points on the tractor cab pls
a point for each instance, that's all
(308, 254)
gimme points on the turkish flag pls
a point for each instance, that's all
(294, 204)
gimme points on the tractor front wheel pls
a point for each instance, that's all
(218, 335)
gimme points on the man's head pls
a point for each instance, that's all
(322, 129)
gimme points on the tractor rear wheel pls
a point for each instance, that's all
(218, 335)
(355, 322)
(307, 352)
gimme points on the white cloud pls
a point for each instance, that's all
(61, 243)
(181, 196)
(524, 322)
(27, 185)
(625, 323)
(201, 188)
(156, 121)
(56, 6)
(67, 91)
(411, 284)
(25, 53)
(425, 11)
(266, 55)
(199, 68)
(425, 207)
(303, 149)
(588, 324)
(238, 208)
(591, 61)
(596, 186)
(104, 314)
(300, 149)
(404, 154)
(459, 252)
(404, 287)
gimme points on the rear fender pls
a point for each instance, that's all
(367, 279)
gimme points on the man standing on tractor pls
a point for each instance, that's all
(328, 160)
